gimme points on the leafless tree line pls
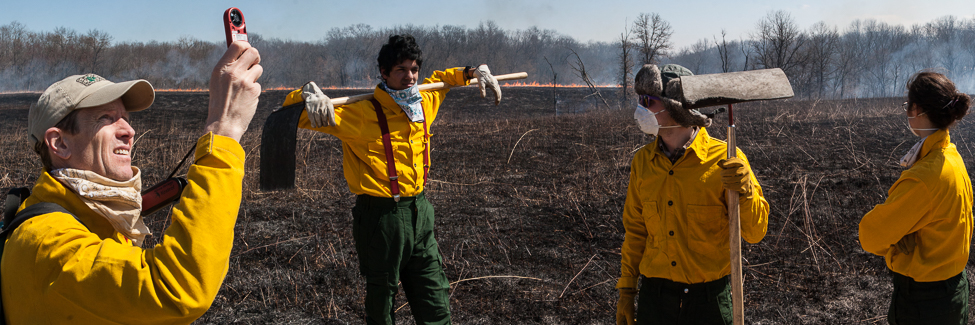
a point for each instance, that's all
(868, 58)
(345, 57)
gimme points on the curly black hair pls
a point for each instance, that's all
(397, 49)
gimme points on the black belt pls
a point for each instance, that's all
(365, 199)
(663, 286)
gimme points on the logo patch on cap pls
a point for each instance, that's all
(89, 79)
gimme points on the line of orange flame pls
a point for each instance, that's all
(507, 84)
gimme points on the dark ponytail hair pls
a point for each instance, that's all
(937, 98)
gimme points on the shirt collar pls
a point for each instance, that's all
(937, 140)
(701, 145)
(49, 189)
(679, 152)
(386, 101)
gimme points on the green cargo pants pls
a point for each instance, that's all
(938, 302)
(395, 243)
(662, 301)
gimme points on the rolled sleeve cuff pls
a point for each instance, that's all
(210, 142)
(457, 78)
(626, 282)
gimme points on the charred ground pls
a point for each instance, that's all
(528, 207)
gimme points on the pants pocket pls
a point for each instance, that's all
(370, 242)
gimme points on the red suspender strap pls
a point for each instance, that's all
(426, 152)
(388, 145)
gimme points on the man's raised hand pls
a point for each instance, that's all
(234, 91)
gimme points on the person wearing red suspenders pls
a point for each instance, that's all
(386, 161)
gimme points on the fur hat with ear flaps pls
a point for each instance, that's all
(665, 83)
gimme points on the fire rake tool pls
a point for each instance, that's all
(279, 138)
(727, 89)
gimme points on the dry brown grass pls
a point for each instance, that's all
(528, 207)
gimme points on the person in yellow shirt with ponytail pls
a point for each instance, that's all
(924, 228)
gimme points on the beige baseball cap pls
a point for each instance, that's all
(83, 91)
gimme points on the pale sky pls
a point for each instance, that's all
(584, 20)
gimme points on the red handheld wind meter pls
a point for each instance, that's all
(234, 25)
(162, 194)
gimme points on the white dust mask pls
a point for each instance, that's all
(647, 120)
(914, 130)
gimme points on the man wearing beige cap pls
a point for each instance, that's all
(83, 263)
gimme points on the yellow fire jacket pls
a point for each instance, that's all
(676, 217)
(933, 201)
(363, 155)
(58, 271)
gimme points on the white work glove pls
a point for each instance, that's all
(319, 107)
(486, 80)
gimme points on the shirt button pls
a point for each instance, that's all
(671, 172)
(673, 263)
(671, 232)
(670, 202)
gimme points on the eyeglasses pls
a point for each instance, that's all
(904, 106)
(647, 100)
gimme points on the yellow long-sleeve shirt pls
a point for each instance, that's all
(676, 217)
(933, 199)
(58, 271)
(363, 155)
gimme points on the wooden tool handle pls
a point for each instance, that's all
(430, 86)
(734, 234)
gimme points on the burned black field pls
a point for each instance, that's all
(528, 207)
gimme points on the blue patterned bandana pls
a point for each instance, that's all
(409, 100)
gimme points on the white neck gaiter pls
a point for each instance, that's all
(119, 202)
(409, 100)
(912, 155)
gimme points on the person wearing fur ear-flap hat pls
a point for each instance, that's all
(676, 251)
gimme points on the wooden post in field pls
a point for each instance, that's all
(734, 232)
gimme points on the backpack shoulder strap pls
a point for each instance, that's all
(37, 209)
(40, 208)
(15, 197)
